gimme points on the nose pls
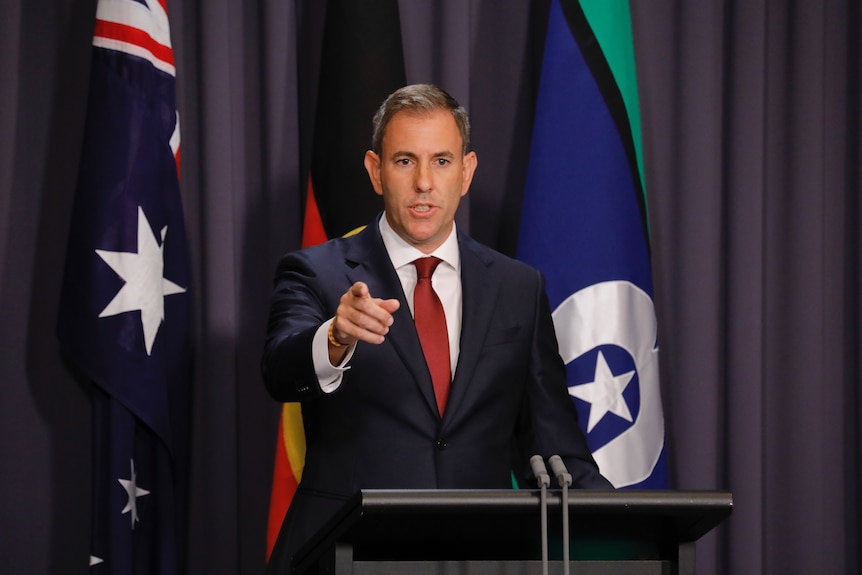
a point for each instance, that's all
(423, 182)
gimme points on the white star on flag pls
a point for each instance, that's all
(132, 489)
(604, 393)
(145, 288)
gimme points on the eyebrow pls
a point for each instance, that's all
(401, 154)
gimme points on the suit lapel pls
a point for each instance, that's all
(368, 262)
(479, 287)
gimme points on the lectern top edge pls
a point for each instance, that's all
(396, 517)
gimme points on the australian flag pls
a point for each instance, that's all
(124, 312)
(584, 226)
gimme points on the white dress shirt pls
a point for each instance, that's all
(446, 281)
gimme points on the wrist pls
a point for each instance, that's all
(331, 335)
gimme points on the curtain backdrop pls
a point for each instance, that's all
(752, 117)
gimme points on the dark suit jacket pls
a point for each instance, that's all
(381, 428)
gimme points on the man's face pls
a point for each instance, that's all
(421, 175)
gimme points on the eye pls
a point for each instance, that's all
(442, 161)
(402, 161)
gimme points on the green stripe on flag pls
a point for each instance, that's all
(611, 23)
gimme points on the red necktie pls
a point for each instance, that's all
(431, 325)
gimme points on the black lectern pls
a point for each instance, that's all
(499, 532)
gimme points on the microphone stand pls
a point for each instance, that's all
(543, 479)
(565, 480)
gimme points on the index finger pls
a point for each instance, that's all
(359, 290)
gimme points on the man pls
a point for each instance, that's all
(343, 340)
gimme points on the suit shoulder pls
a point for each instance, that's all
(492, 257)
(327, 253)
(340, 249)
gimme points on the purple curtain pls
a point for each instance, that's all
(752, 118)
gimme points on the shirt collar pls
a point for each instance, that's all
(402, 253)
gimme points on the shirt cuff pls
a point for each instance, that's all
(328, 376)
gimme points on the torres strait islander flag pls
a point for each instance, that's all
(124, 312)
(584, 225)
(361, 63)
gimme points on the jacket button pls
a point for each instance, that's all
(441, 444)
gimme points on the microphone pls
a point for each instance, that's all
(540, 472)
(560, 472)
(565, 479)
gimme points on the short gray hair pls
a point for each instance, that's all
(419, 98)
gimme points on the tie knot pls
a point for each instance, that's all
(425, 266)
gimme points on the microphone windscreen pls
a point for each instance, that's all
(539, 470)
(559, 469)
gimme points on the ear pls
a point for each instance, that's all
(372, 166)
(468, 168)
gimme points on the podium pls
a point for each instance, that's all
(484, 532)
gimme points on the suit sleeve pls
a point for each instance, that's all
(298, 306)
(549, 420)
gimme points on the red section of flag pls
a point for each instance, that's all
(283, 488)
(312, 226)
(136, 36)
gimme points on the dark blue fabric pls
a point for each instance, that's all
(141, 398)
(581, 223)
